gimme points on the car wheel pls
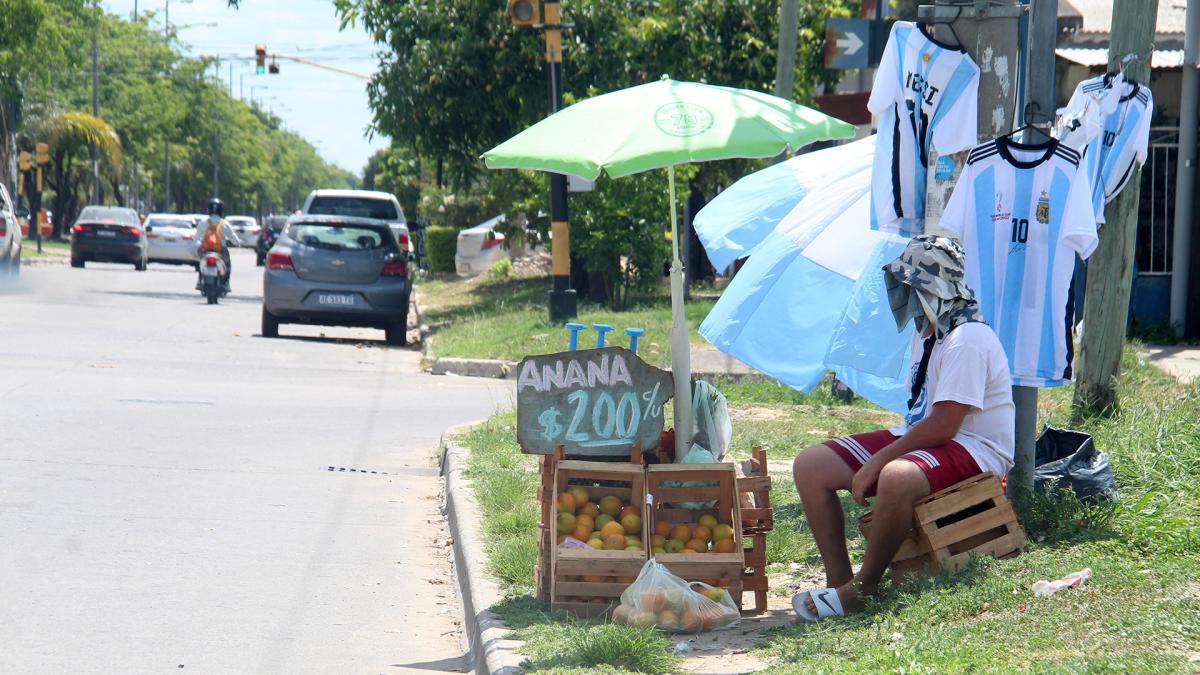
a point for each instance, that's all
(396, 334)
(270, 324)
(140, 265)
(76, 262)
(258, 259)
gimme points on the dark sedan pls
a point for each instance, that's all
(109, 234)
(337, 271)
(271, 228)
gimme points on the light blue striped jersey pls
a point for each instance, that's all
(1110, 126)
(1023, 212)
(925, 94)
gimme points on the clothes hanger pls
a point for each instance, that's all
(949, 24)
(1032, 110)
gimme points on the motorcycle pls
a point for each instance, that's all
(212, 277)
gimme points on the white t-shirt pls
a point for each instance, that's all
(1023, 214)
(968, 366)
(926, 94)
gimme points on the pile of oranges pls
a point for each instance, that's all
(607, 524)
(694, 610)
(707, 536)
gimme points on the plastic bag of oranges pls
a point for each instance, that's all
(660, 599)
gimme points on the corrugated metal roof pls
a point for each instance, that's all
(1097, 15)
(1091, 57)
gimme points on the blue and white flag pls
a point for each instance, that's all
(806, 302)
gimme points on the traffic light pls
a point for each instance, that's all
(24, 161)
(274, 68)
(43, 153)
(524, 12)
(260, 59)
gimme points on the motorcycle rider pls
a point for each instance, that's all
(213, 233)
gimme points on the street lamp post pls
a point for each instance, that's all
(562, 296)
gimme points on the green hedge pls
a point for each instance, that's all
(440, 244)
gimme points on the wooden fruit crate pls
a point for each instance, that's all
(758, 518)
(588, 582)
(970, 518)
(725, 569)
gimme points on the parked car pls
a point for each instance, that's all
(361, 204)
(10, 237)
(267, 235)
(171, 239)
(245, 230)
(337, 271)
(479, 247)
(109, 234)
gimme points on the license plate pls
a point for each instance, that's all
(105, 233)
(335, 299)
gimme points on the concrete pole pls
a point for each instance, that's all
(1110, 278)
(1185, 197)
(785, 60)
(95, 113)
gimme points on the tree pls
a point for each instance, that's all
(68, 135)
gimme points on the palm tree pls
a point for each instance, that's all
(68, 133)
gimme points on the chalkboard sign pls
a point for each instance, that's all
(596, 402)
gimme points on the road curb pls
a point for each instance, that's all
(493, 368)
(491, 649)
(41, 262)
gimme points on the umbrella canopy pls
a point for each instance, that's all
(659, 125)
(810, 298)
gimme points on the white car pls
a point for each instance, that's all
(361, 204)
(245, 229)
(10, 237)
(171, 239)
(479, 247)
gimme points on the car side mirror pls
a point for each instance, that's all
(149, 228)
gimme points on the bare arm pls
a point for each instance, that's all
(938, 428)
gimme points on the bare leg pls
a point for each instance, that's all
(819, 473)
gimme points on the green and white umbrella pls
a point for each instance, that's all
(656, 126)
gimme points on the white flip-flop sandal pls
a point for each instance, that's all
(827, 601)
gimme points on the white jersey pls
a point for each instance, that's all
(1108, 121)
(1023, 213)
(925, 93)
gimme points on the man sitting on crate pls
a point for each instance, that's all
(959, 424)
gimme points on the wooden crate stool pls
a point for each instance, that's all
(970, 518)
(758, 519)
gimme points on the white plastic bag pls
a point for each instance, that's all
(660, 599)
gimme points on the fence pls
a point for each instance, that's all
(1156, 212)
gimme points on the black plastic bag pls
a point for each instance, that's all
(1070, 458)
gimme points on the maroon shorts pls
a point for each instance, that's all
(943, 466)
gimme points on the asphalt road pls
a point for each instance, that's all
(166, 502)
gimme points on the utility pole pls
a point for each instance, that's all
(96, 109)
(216, 165)
(785, 60)
(562, 296)
(1106, 303)
(1185, 197)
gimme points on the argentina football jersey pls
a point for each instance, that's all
(1023, 213)
(1108, 121)
(925, 95)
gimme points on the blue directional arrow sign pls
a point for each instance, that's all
(847, 43)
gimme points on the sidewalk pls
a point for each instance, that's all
(1182, 363)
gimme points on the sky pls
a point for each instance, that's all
(328, 109)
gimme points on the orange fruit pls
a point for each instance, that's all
(581, 532)
(707, 521)
(602, 519)
(632, 523)
(673, 546)
(566, 503)
(653, 601)
(681, 532)
(610, 529)
(621, 614)
(590, 508)
(663, 528)
(697, 545)
(702, 533)
(668, 620)
(614, 542)
(631, 511)
(689, 551)
(624, 580)
(580, 494)
(725, 546)
(691, 621)
(658, 541)
(585, 519)
(610, 505)
(593, 579)
(722, 532)
(643, 619)
(596, 543)
(566, 523)
(723, 583)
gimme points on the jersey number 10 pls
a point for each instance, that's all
(1020, 230)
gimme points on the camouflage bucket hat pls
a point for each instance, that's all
(934, 265)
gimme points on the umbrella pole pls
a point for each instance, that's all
(681, 368)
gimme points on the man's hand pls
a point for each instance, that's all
(864, 480)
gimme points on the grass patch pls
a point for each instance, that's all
(1140, 612)
(51, 248)
(507, 319)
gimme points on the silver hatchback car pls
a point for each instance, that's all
(337, 271)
